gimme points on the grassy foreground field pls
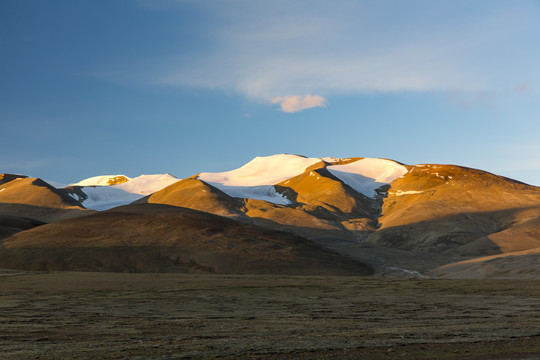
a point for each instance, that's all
(170, 316)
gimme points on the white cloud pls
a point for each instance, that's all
(266, 50)
(295, 103)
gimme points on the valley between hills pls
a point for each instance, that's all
(286, 257)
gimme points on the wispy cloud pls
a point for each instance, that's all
(267, 50)
(295, 103)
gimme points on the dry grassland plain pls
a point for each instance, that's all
(68, 315)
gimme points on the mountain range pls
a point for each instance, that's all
(280, 214)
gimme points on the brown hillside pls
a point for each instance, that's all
(320, 189)
(34, 198)
(323, 206)
(305, 220)
(464, 211)
(161, 238)
(292, 219)
(518, 265)
(520, 230)
(196, 194)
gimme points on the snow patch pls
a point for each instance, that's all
(102, 180)
(255, 179)
(367, 175)
(107, 197)
(267, 170)
(74, 196)
(410, 192)
(147, 184)
(103, 197)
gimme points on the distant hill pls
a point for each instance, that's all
(162, 238)
(196, 194)
(35, 199)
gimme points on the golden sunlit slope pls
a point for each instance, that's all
(460, 210)
(322, 206)
(162, 238)
(196, 194)
(34, 198)
(319, 189)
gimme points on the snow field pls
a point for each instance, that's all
(367, 175)
(101, 180)
(268, 170)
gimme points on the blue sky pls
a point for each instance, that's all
(184, 86)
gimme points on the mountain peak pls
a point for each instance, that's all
(262, 170)
(103, 180)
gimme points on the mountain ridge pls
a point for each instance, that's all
(400, 219)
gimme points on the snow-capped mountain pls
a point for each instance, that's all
(108, 191)
(266, 170)
(406, 219)
(256, 179)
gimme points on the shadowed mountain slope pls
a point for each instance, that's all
(161, 238)
(10, 224)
